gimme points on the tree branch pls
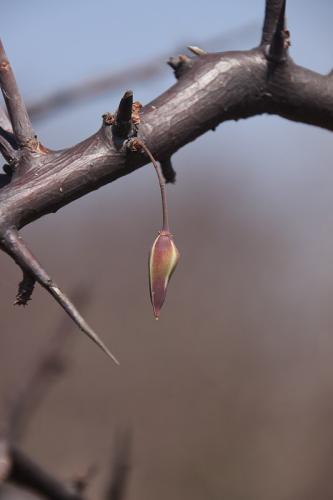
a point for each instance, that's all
(19, 118)
(211, 89)
(120, 467)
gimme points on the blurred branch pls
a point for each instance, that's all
(142, 72)
(50, 365)
(26, 473)
(15, 465)
(120, 468)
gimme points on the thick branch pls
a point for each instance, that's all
(217, 88)
(19, 118)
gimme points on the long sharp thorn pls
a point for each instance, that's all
(16, 248)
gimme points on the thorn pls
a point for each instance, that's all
(14, 245)
(26, 287)
(123, 119)
(66, 304)
(277, 50)
(197, 51)
(168, 171)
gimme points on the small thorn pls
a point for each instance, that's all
(26, 287)
(196, 50)
(123, 119)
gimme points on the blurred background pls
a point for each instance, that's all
(230, 394)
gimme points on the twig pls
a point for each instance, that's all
(48, 365)
(87, 90)
(281, 39)
(272, 16)
(26, 473)
(116, 488)
(19, 118)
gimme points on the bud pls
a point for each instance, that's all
(163, 260)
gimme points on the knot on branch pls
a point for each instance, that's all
(180, 64)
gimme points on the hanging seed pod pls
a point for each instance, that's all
(164, 256)
(163, 259)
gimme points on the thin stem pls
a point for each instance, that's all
(165, 213)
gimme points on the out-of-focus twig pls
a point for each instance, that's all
(88, 90)
(120, 467)
(49, 366)
(15, 466)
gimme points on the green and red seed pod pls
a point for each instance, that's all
(163, 259)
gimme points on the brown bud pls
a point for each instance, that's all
(163, 259)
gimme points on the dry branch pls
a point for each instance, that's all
(19, 118)
(211, 89)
